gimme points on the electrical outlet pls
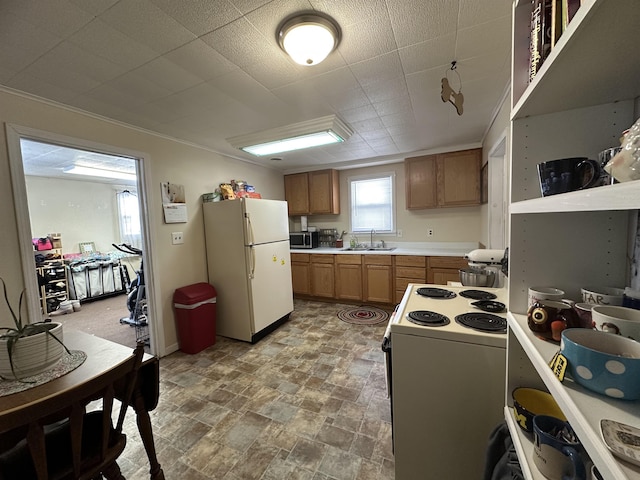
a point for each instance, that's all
(176, 238)
(399, 233)
(430, 232)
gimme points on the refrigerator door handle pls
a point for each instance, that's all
(249, 229)
(252, 266)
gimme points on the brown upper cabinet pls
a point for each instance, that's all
(444, 180)
(312, 193)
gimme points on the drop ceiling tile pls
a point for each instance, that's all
(202, 96)
(358, 114)
(22, 42)
(95, 7)
(168, 75)
(368, 125)
(338, 79)
(140, 87)
(267, 19)
(395, 88)
(58, 17)
(416, 21)
(202, 16)
(474, 41)
(273, 71)
(68, 56)
(243, 88)
(145, 23)
(373, 71)
(246, 6)
(380, 142)
(304, 101)
(37, 86)
(367, 39)
(376, 136)
(201, 60)
(349, 12)
(394, 106)
(251, 49)
(98, 38)
(405, 118)
(437, 52)
(473, 12)
(47, 70)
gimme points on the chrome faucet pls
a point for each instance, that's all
(372, 232)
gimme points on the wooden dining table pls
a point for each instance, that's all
(102, 355)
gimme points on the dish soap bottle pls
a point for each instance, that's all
(352, 242)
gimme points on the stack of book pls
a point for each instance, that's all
(549, 18)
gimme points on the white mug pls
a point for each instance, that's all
(544, 293)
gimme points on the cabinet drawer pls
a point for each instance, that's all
(411, 261)
(300, 257)
(349, 259)
(416, 274)
(448, 262)
(320, 258)
(402, 283)
(377, 259)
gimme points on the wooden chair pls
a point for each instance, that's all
(57, 438)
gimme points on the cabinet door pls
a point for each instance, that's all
(444, 269)
(322, 280)
(324, 193)
(458, 178)
(420, 182)
(296, 193)
(349, 282)
(301, 278)
(378, 283)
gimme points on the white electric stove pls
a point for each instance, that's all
(446, 379)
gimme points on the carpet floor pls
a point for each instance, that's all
(102, 319)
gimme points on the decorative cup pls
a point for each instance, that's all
(544, 293)
(556, 449)
(602, 295)
(548, 318)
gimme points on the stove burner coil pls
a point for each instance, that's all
(427, 318)
(483, 322)
(478, 295)
(436, 293)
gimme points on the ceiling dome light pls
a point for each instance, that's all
(309, 38)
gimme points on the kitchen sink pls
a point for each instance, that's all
(381, 249)
(355, 249)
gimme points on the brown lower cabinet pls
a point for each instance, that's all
(378, 279)
(322, 275)
(368, 278)
(445, 269)
(348, 277)
(409, 269)
(301, 273)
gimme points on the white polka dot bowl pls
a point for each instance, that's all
(605, 363)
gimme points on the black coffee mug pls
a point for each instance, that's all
(568, 174)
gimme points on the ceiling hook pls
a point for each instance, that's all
(454, 65)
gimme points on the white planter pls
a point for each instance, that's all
(32, 355)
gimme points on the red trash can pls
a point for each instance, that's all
(195, 307)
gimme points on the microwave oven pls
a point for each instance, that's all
(303, 239)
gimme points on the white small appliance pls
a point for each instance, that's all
(491, 260)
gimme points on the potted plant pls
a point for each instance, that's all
(27, 349)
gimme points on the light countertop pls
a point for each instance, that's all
(439, 249)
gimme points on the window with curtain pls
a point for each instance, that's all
(129, 216)
(372, 203)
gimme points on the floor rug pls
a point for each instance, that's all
(363, 315)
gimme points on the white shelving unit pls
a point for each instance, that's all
(583, 97)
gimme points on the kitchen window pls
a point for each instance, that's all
(372, 201)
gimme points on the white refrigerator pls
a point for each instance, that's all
(249, 265)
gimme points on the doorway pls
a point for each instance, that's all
(47, 193)
(498, 201)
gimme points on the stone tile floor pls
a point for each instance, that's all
(306, 402)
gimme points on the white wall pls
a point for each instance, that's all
(199, 170)
(79, 211)
(459, 224)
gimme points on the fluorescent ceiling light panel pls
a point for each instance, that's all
(312, 133)
(99, 172)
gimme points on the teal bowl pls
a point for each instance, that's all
(602, 362)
